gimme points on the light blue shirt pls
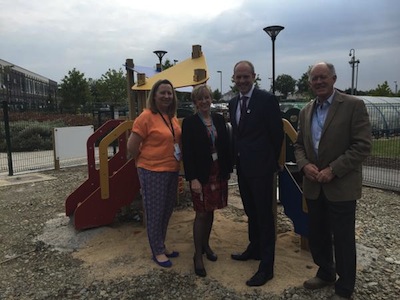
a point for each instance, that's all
(318, 120)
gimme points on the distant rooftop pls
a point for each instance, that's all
(23, 70)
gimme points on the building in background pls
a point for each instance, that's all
(26, 90)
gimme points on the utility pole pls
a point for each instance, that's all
(352, 62)
(220, 81)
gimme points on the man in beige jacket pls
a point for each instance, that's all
(334, 138)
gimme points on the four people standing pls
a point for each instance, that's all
(207, 165)
(154, 143)
(334, 137)
(257, 138)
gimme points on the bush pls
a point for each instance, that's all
(38, 136)
(34, 131)
(66, 119)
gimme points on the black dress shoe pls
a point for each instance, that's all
(199, 271)
(164, 264)
(210, 255)
(337, 297)
(258, 279)
(173, 254)
(316, 283)
(246, 255)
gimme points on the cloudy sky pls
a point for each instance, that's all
(51, 37)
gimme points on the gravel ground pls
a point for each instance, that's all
(34, 270)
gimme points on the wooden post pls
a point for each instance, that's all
(129, 83)
(56, 159)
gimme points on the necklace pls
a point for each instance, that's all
(207, 120)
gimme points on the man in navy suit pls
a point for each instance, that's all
(257, 139)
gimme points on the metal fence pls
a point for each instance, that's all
(24, 162)
(381, 169)
(26, 139)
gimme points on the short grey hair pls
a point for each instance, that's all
(330, 67)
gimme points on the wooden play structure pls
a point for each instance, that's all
(114, 185)
(115, 182)
(290, 193)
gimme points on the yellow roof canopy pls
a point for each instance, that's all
(190, 72)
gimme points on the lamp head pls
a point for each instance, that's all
(273, 31)
(160, 53)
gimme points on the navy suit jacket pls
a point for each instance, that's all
(259, 139)
(196, 148)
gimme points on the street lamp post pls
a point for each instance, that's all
(352, 62)
(220, 81)
(6, 103)
(395, 87)
(273, 32)
(270, 85)
(160, 54)
(356, 89)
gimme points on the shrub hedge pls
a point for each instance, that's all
(34, 131)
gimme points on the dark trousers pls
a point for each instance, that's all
(332, 241)
(257, 194)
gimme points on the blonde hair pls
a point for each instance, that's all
(199, 91)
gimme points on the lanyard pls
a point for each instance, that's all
(211, 129)
(170, 122)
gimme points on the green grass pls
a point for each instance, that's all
(384, 147)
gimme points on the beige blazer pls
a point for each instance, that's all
(344, 145)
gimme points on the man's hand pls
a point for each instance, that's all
(325, 175)
(311, 172)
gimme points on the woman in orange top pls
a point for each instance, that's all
(154, 143)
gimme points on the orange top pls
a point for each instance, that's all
(157, 148)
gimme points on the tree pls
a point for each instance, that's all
(303, 86)
(217, 95)
(285, 84)
(257, 81)
(111, 88)
(75, 92)
(167, 64)
(382, 90)
(94, 89)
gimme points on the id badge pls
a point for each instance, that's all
(214, 156)
(177, 152)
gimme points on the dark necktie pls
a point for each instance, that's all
(243, 108)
